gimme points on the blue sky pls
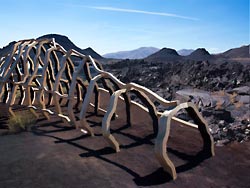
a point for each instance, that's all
(115, 25)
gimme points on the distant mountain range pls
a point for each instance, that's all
(139, 53)
(166, 54)
(185, 52)
(150, 53)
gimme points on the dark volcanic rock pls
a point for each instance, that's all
(219, 90)
(217, 115)
(179, 75)
(223, 115)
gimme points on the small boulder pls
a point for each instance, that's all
(244, 99)
(244, 90)
(222, 114)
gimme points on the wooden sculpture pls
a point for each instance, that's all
(43, 76)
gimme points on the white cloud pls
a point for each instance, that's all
(142, 12)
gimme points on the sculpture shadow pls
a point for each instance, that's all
(158, 177)
(3, 123)
(192, 160)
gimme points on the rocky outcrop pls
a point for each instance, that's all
(227, 114)
(220, 90)
(244, 90)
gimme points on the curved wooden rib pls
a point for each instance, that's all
(48, 84)
(28, 79)
(10, 65)
(71, 95)
(112, 108)
(137, 88)
(164, 131)
(25, 80)
(48, 78)
(107, 118)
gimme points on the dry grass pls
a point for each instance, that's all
(21, 121)
(232, 99)
(219, 105)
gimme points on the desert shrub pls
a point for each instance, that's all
(21, 121)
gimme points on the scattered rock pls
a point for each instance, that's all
(244, 90)
(220, 143)
(244, 99)
(247, 131)
(224, 129)
(223, 115)
(203, 98)
(222, 91)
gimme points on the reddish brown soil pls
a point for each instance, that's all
(52, 155)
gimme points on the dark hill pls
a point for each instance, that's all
(199, 54)
(164, 55)
(241, 52)
(62, 40)
(5, 50)
(68, 44)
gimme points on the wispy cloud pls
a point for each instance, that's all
(142, 12)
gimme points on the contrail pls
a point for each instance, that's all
(142, 12)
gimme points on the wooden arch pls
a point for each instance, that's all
(164, 130)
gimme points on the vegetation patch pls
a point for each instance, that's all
(22, 121)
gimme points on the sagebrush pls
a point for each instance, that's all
(21, 121)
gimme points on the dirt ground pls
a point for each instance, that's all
(53, 155)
